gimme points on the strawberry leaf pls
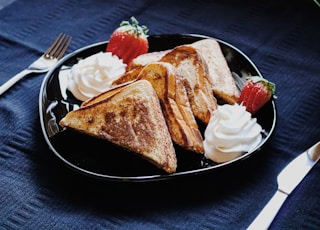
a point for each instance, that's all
(134, 27)
(270, 85)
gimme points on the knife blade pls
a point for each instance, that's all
(288, 179)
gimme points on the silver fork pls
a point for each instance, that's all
(42, 64)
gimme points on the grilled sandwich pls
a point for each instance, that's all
(194, 71)
(168, 84)
(129, 116)
(195, 74)
(223, 84)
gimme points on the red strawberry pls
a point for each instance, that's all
(256, 93)
(128, 41)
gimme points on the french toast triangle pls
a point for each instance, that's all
(219, 74)
(195, 74)
(223, 84)
(129, 116)
(169, 86)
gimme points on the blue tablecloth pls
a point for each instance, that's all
(38, 192)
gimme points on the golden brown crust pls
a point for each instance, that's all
(130, 117)
(223, 84)
(130, 75)
(194, 71)
(168, 84)
(147, 58)
(104, 95)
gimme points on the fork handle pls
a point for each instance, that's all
(268, 213)
(14, 80)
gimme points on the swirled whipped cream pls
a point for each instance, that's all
(230, 133)
(94, 75)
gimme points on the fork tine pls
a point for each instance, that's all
(49, 51)
(58, 47)
(63, 47)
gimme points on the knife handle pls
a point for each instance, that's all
(268, 213)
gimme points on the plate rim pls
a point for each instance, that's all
(157, 177)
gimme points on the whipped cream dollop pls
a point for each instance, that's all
(230, 133)
(94, 75)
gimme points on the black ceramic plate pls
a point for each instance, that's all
(103, 160)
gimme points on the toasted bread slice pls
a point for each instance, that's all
(129, 116)
(130, 75)
(104, 95)
(194, 71)
(147, 58)
(223, 84)
(168, 84)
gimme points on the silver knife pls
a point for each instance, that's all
(288, 179)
